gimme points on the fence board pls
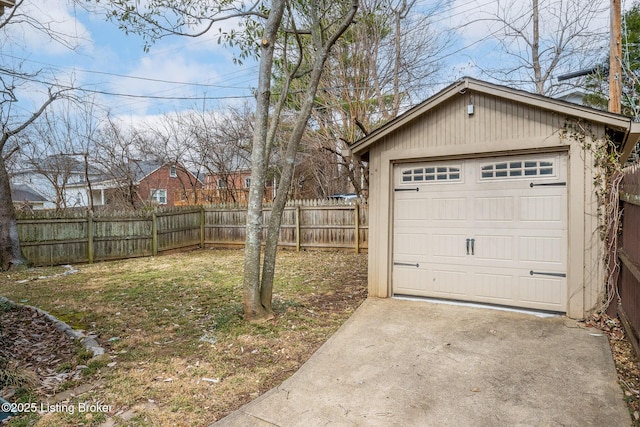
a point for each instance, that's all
(629, 255)
(49, 240)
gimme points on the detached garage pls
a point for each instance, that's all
(476, 195)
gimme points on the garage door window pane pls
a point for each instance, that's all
(517, 169)
(432, 174)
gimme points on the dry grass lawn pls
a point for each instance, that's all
(179, 352)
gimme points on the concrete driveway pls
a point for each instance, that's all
(413, 363)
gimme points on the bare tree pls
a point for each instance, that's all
(18, 89)
(168, 142)
(303, 33)
(221, 143)
(386, 61)
(10, 252)
(118, 154)
(56, 148)
(542, 41)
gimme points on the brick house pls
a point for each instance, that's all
(167, 184)
(140, 183)
(225, 187)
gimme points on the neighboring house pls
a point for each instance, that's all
(166, 184)
(50, 176)
(25, 197)
(475, 196)
(227, 183)
(139, 183)
(232, 187)
(575, 96)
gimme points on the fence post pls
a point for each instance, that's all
(298, 228)
(154, 234)
(202, 218)
(357, 220)
(90, 248)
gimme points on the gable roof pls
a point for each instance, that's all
(25, 193)
(141, 169)
(618, 122)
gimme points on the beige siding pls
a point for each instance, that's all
(586, 268)
(495, 123)
(498, 126)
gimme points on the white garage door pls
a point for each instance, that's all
(490, 230)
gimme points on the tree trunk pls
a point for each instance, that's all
(254, 310)
(535, 50)
(10, 253)
(288, 165)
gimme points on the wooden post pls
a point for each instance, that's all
(298, 239)
(615, 59)
(357, 220)
(154, 234)
(202, 218)
(90, 248)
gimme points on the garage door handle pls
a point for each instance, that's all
(542, 273)
(407, 264)
(548, 184)
(473, 246)
(468, 240)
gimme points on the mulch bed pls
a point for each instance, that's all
(37, 351)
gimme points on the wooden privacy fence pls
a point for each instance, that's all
(629, 254)
(51, 239)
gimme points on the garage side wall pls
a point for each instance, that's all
(497, 126)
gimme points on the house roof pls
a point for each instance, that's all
(138, 171)
(143, 168)
(24, 193)
(56, 163)
(618, 122)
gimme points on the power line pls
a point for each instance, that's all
(172, 98)
(149, 79)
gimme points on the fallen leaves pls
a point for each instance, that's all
(625, 360)
(33, 344)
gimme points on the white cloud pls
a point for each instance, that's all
(59, 28)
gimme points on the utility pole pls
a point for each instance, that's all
(615, 59)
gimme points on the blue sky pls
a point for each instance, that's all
(109, 62)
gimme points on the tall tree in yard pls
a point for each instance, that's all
(385, 62)
(298, 35)
(536, 41)
(10, 252)
(16, 85)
